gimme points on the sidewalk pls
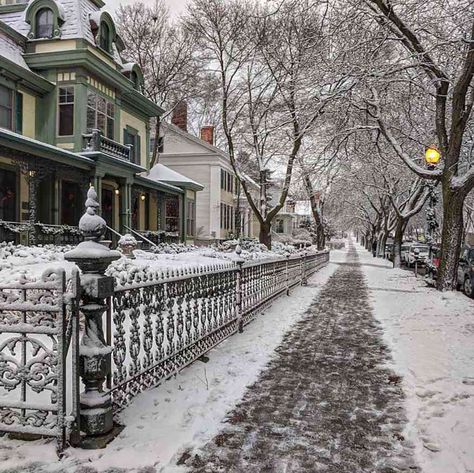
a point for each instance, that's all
(325, 403)
(431, 337)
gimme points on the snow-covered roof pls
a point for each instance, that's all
(161, 173)
(77, 15)
(12, 51)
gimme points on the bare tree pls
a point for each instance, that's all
(273, 87)
(431, 53)
(165, 53)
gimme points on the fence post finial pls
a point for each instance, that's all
(93, 258)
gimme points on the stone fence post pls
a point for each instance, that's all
(93, 258)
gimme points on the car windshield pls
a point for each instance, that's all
(421, 249)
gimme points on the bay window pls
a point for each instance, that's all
(100, 114)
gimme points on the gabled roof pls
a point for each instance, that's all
(162, 173)
(194, 139)
(211, 148)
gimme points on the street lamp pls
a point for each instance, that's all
(432, 157)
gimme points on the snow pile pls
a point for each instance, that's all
(173, 248)
(431, 335)
(12, 256)
(128, 239)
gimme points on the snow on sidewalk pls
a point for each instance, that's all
(187, 410)
(431, 335)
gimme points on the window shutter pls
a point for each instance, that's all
(138, 153)
(19, 113)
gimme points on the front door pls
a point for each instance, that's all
(8, 195)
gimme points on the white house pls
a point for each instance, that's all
(201, 161)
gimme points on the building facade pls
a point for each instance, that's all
(73, 113)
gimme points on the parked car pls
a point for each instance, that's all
(389, 251)
(417, 253)
(466, 271)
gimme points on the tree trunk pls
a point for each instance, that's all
(384, 242)
(451, 240)
(397, 243)
(265, 236)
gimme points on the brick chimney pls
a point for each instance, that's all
(180, 115)
(207, 134)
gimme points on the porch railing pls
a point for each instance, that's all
(96, 141)
(160, 323)
(44, 233)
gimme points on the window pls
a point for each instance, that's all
(6, 108)
(279, 226)
(100, 114)
(172, 215)
(190, 218)
(133, 138)
(44, 26)
(66, 111)
(104, 37)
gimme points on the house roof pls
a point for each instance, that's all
(10, 140)
(161, 173)
(76, 13)
(205, 144)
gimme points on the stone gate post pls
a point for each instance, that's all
(93, 258)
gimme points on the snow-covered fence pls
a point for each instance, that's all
(159, 325)
(39, 322)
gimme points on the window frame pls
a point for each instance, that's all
(11, 108)
(44, 10)
(106, 114)
(58, 122)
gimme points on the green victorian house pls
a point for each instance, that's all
(73, 113)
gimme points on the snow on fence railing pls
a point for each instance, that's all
(160, 324)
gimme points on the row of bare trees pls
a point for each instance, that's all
(339, 99)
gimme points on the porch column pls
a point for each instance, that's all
(33, 182)
(125, 204)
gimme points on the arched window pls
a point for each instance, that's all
(105, 36)
(44, 26)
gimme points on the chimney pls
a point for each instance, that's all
(180, 115)
(207, 134)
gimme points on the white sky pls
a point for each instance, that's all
(176, 6)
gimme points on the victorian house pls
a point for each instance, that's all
(221, 206)
(72, 113)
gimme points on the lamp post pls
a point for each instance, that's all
(432, 157)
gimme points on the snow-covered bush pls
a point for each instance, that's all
(13, 255)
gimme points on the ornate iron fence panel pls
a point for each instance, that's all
(157, 324)
(163, 325)
(38, 323)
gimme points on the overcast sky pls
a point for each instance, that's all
(176, 6)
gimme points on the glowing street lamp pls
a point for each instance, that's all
(432, 155)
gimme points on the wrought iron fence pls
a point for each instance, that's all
(38, 324)
(158, 324)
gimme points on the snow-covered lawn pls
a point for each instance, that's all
(187, 410)
(431, 335)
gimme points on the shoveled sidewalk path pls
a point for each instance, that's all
(326, 403)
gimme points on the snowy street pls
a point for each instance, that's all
(365, 369)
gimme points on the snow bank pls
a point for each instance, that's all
(431, 335)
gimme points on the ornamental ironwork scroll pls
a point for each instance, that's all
(160, 323)
(38, 324)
